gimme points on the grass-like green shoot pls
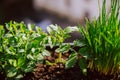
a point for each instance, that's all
(102, 39)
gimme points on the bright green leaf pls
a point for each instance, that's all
(45, 53)
(71, 29)
(21, 61)
(29, 56)
(63, 48)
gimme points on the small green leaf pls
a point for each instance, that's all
(18, 77)
(24, 37)
(21, 50)
(52, 41)
(21, 61)
(45, 53)
(33, 50)
(22, 27)
(30, 67)
(1, 31)
(9, 26)
(8, 35)
(83, 65)
(83, 52)
(63, 49)
(39, 30)
(11, 72)
(71, 29)
(79, 43)
(29, 46)
(31, 27)
(71, 61)
(38, 57)
(13, 62)
(49, 63)
(52, 28)
(29, 56)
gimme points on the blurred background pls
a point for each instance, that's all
(45, 12)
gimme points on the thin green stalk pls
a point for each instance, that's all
(60, 57)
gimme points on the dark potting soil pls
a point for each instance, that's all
(58, 72)
(2, 76)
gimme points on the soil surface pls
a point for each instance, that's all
(58, 72)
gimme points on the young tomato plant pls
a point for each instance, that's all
(76, 58)
(102, 41)
(21, 48)
(56, 37)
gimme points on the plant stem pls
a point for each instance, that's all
(60, 57)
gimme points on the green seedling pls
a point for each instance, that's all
(56, 37)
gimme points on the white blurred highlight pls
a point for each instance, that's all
(76, 9)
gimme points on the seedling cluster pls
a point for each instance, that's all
(22, 46)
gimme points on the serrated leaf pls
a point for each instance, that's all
(71, 61)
